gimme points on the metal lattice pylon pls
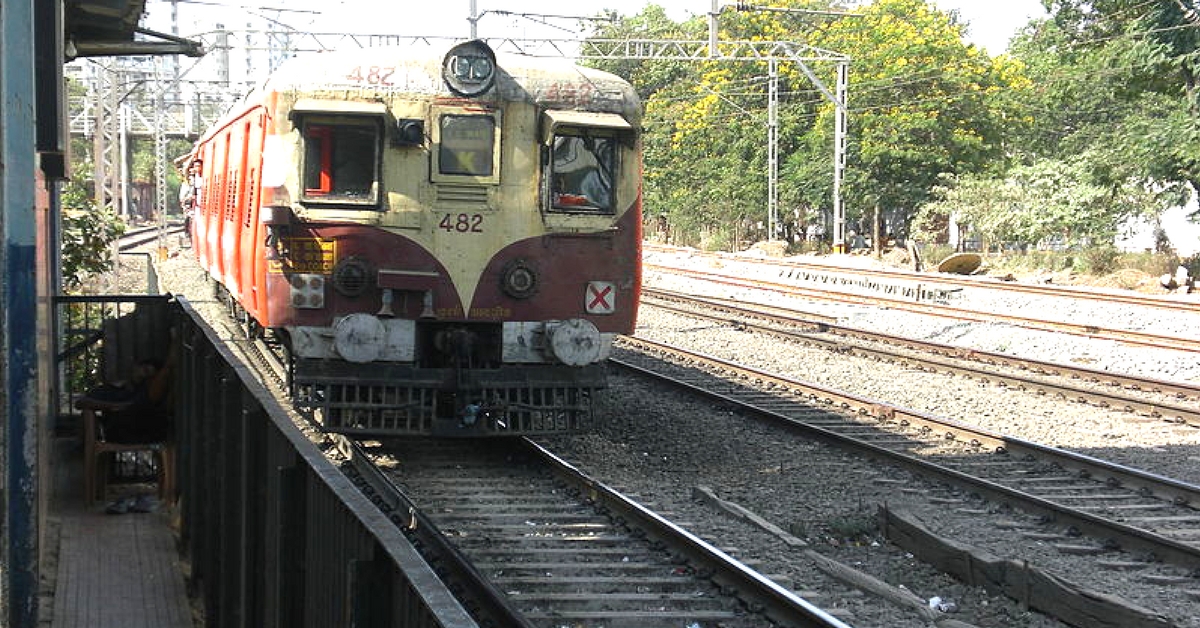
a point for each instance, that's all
(160, 149)
(107, 134)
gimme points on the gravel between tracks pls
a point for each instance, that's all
(685, 444)
(661, 446)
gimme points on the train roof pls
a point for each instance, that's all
(416, 69)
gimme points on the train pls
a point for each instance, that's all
(440, 244)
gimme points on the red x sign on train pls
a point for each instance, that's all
(601, 297)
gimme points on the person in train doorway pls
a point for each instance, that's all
(190, 190)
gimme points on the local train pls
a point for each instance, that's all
(443, 244)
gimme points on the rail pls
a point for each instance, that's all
(746, 384)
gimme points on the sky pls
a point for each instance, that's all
(990, 22)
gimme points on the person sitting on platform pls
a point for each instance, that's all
(136, 411)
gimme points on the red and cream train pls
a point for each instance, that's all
(444, 244)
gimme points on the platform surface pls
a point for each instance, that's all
(109, 570)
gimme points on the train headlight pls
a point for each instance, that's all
(519, 280)
(307, 291)
(469, 69)
(359, 337)
(575, 342)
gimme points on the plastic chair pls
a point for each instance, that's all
(95, 464)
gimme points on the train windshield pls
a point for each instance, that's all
(466, 145)
(341, 162)
(581, 173)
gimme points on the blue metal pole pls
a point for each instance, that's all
(18, 302)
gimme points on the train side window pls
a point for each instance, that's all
(581, 172)
(341, 162)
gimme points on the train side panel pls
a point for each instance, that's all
(231, 223)
(249, 246)
(226, 223)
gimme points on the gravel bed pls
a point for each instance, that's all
(638, 446)
(661, 445)
(1159, 446)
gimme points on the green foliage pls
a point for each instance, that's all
(1094, 117)
(87, 237)
(854, 527)
(1050, 200)
(924, 103)
(1118, 84)
(1099, 260)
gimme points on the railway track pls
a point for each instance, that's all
(1110, 390)
(832, 275)
(542, 544)
(530, 540)
(926, 294)
(140, 236)
(1116, 506)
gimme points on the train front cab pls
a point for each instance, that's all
(465, 279)
(511, 309)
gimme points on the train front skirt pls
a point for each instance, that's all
(403, 400)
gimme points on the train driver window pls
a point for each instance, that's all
(466, 145)
(341, 162)
(581, 173)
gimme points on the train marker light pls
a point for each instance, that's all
(469, 69)
(600, 297)
(409, 132)
(518, 279)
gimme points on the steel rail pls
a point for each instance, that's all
(1129, 537)
(949, 279)
(1167, 411)
(944, 311)
(759, 591)
(489, 600)
(144, 235)
(775, 601)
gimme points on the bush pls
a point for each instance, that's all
(1153, 264)
(87, 237)
(1097, 260)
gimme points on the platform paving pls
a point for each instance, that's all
(110, 570)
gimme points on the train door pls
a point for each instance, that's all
(231, 229)
(251, 258)
(218, 201)
(203, 204)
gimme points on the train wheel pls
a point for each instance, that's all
(251, 327)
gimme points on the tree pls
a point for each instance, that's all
(922, 104)
(1047, 200)
(1117, 82)
(87, 236)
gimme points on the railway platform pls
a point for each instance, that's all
(109, 570)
